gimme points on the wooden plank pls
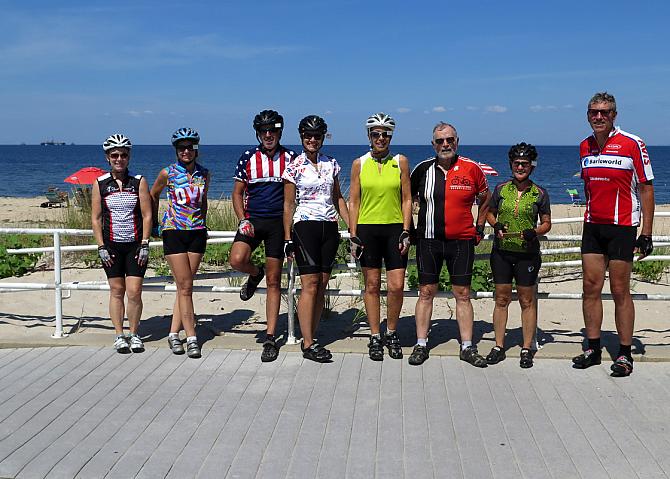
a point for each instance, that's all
(572, 436)
(363, 443)
(474, 459)
(248, 458)
(390, 448)
(411, 422)
(338, 429)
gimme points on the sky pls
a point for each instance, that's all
(501, 72)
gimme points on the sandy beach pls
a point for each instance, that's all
(27, 317)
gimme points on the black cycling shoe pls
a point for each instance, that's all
(496, 355)
(270, 351)
(526, 360)
(392, 343)
(622, 367)
(376, 348)
(419, 355)
(316, 353)
(472, 356)
(249, 288)
(588, 358)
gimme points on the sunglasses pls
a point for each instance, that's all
(116, 156)
(272, 131)
(521, 164)
(440, 141)
(183, 148)
(375, 135)
(594, 112)
(316, 136)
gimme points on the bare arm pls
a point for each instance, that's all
(354, 196)
(648, 207)
(238, 199)
(146, 209)
(406, 188)
(156, 190)
(483, 207)
(96, 213)
(339, 202)
(289, 208)
(544, 226)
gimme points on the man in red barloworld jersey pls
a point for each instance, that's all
(618, 184)
(446, 186)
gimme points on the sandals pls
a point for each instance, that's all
(270, 351)
(470, 355)
(496, 355)
(419, 355)
(316, 353)
(526, 360)
(376, 348)
(622, 367)
(588, 358)
(392, 342)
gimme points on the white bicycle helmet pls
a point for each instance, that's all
(117, 140)
(380, 119)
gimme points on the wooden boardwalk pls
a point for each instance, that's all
(88, 412)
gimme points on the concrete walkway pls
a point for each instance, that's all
(81, 411)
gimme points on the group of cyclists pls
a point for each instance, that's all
(291, 203)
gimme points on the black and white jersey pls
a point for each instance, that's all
(121, 214)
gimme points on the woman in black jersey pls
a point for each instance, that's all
(121, 219)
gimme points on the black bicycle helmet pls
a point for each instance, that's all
(523, 150)
(268, 119)
(312, 123)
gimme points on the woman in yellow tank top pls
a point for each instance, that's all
(380, 209)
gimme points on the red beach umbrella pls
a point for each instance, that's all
(488, 170)
(85, 176)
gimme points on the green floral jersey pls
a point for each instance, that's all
(519, 212)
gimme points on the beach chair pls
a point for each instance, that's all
(55, 198)
(574, 196)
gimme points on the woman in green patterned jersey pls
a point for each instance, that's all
(514, 210)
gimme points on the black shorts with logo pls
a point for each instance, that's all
(508, 265)
(125, 261)
(184, 241)
(381, 243)
(269, 231)
(458, 254)
(614, 241)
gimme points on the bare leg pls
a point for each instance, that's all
(395, 280)
(117, 291)
(371, 297)
(465, 315)
(593, 267)
(503, 298)
(320, 300)
(273, 297)
(424, 309)
(624, 309)
(182, 270)
(307, 306)
(240, 258)
(134, 293)
(528, 304)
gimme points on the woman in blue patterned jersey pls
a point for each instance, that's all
(184, 231)
(121, 219)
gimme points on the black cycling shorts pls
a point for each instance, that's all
(316, 245)
(458, 254)
(381, 243)
(508, 265)
(614, 241)
(267, 230)
(184, 241)
(125, 263)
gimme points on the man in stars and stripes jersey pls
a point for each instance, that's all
(617, 175)
(258, 201)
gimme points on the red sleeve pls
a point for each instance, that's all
(641, 161)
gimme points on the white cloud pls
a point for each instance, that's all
(328, 112)
(403, 109)
(539, 108)
(472, 108)
(496, 109)
(439, 109)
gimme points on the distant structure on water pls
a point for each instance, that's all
(52, 142)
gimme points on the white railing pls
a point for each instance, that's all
(227, 237)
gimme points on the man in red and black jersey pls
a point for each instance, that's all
(446, 187)
(617, 175)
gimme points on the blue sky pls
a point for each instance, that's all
(501, 72)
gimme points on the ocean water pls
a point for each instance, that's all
(38, 167)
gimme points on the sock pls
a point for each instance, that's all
(625, 351)
(192, 339)
(422, 342)
(378, 335)
(465, 345)
(174, 335)
(594, 344)
(389, 332)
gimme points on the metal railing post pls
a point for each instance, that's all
(58, 297)
(290, 338)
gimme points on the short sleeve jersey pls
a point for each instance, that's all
(314, 187)
(185, 194)
(381, 199)
(446, 198)
(612, 176)
(518, 213)
(121, 213)
(262, 178)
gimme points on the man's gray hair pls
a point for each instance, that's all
(603, 97)
(442, 125)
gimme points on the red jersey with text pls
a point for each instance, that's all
(121, 214)
(262, 178)
(612, 176)
(446, 197)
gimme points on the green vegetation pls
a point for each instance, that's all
(17, 264)
(651, 271)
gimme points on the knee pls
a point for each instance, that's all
(185, 288)
(373, 288)
(426, 295)
(462, 296)
(117, 293)
(236, 260)
(620, 294)
(525, 302)
(272, 281)
(134, 295)
(311, 286)
(503, 300)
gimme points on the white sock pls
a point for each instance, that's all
(389, 332)
(192, 339)
(422, 342)
(465, 345)
(174, 335)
